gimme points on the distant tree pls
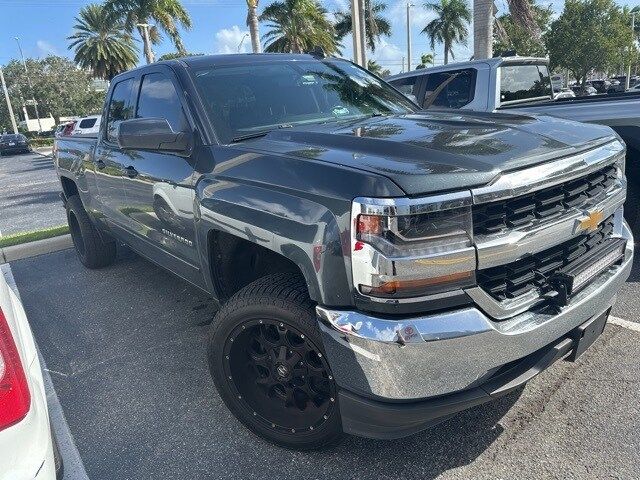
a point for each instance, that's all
(374, 67)
(167, 15)
(376, 25)
(588, 35)
(60, 88)
(101, 44)
(450, 25)
(510, 35)
(425, 59)
(174, 55)
(296, 26)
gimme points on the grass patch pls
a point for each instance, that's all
(24, 237)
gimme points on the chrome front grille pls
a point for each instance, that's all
(524, 211)
(512, 280)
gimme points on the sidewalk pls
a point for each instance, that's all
(45, 151)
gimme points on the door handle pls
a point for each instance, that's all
(131, 172)
(100, 164)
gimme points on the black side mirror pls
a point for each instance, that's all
(152, 134)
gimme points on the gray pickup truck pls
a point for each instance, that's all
(522, 85)
(378, 268)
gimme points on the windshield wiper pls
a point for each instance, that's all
(248, 136)
(260, 133)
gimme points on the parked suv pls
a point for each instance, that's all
(378, 268)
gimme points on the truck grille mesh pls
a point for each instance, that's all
(522, 211)
(514, 279)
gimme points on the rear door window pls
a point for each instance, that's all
(453, 89)
(88, 123)
(120, 108)
(159, 99)
(524, 82)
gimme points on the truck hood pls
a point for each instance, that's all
(434, 152)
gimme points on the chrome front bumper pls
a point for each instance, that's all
(421, 357)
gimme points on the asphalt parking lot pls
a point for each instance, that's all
(29, 194)
(125, 347)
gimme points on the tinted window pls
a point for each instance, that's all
(242, 99)
(120, 107)
(406, 85)
(88, 123)
(521, 82)
(159, 99)
(453, 89)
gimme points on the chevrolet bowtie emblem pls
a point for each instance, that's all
(590, 223)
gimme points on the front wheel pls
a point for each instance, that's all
(267, 361)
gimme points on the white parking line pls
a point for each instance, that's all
(624, 323)
(72, 462)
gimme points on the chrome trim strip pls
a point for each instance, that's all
(505, 309)
(411, 206)
(500, 249)
(521, 182)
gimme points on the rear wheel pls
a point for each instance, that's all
(92, 250)
(267, 361)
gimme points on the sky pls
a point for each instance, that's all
(218, 27)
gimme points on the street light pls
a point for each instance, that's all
(33, 98)
(409, 5)
(633, 39)
(242, 41)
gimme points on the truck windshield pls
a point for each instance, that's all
(258, 97)
(524, 82)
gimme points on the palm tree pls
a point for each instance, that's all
(297, 26)
(101, 44)
(252, 22)
(425, 59)
(377, 25)
(167, 15)
(450, 25)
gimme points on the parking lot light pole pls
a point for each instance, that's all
(9, 107)
(409, 5)
(633, 34)
(357, 32)
(33, 95)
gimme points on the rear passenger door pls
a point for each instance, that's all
(158, 186)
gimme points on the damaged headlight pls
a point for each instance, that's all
(405, 248)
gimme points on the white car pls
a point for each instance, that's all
(26, 442)
(89, 126)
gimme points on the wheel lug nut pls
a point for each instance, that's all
(229, 377)
(273, 425)
(330, 377)
(332, 399)
(325, 417)
(302, 336)
(282, 324)
(293, 430)
(310, 428)
(254, 413)
(319, 354)
(260, 321)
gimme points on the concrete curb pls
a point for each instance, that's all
(32, 249)
(44, 151)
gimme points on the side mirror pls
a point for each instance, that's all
(152, 134)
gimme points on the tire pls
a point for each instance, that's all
(92, 251)
(297, 408)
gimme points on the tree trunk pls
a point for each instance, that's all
(252, 21)
(482, 29)
(446, 52)
(146, 41)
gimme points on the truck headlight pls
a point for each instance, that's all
(406, 248)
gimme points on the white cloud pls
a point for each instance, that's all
(419, 17)
(45, 48)
(228, 39)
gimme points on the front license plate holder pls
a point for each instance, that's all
(586, 334)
